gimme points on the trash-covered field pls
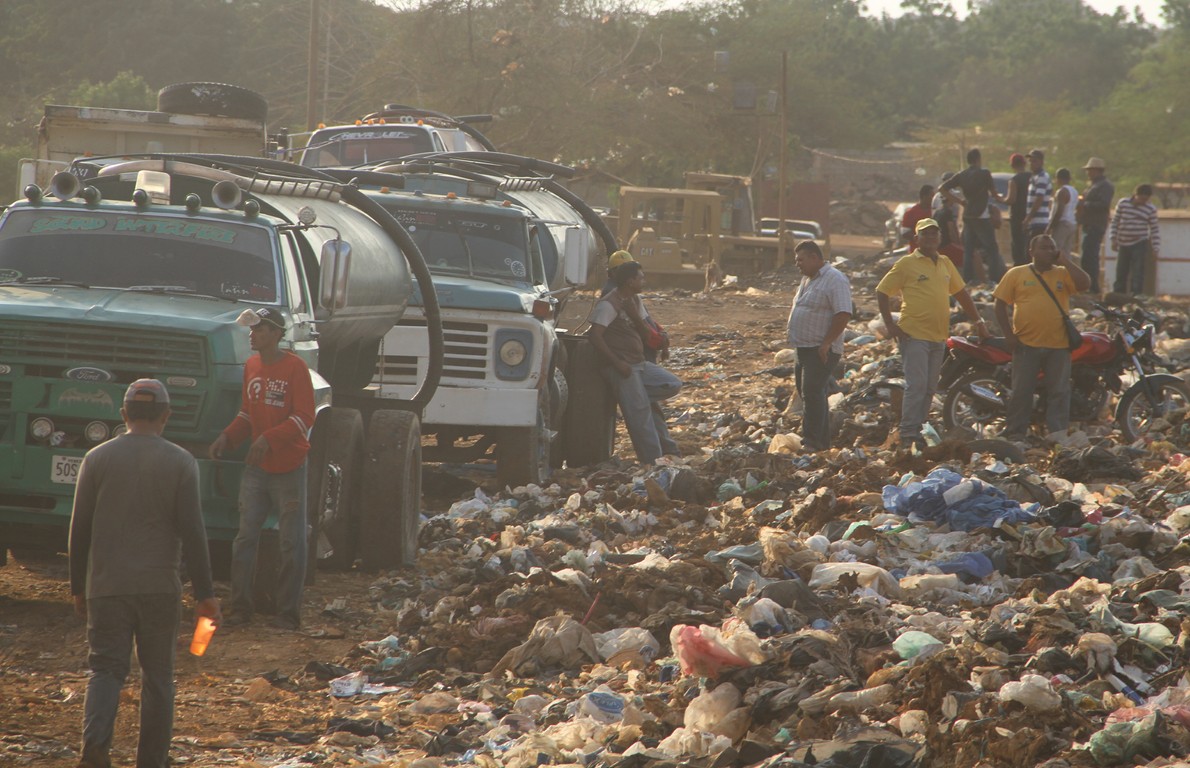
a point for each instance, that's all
(978, 604)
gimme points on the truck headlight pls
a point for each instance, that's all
(96, 432)
(512, 353)
(41, 428)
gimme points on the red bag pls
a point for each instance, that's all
(657, 339)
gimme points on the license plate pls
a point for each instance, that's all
(65, 469)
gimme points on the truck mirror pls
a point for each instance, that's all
(576, 255)
(334, 268)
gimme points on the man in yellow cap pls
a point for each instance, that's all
(925, 280)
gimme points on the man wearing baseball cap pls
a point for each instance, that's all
(925, 280)
(1093, 213)
(136, 506)
(276, 412)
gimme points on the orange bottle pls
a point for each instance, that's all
(202, 635)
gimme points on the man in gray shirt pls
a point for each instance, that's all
(136, 508)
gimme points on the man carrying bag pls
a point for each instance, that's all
(1040, 333)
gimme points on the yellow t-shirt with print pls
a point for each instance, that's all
(925, 287)
(1036, 321)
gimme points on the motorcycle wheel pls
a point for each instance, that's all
(1135, 414)
(965, 413)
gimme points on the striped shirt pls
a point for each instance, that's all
(817, 301)
(1135, 223)
(1041, 188)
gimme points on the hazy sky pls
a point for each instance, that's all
(1150, 8)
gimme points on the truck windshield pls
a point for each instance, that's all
(129, 250)
(358, 146)
(469, 244)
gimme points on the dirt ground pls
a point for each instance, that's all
(42, 643)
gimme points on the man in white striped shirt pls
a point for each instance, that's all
(820, 313)
(1041, 193)
(1134, 233)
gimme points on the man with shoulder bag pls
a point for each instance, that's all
(1033, 310)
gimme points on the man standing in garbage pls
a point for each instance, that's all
(618, 330)
(1093, 212)
(277, 412)
(1035, 331)
(1134, 235)
(820, 313)
(136, 506)
(979, 233)
(925, 280)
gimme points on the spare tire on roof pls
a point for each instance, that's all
(219, 99)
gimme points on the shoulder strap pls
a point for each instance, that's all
(1047, 290)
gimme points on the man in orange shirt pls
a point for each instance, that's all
(277, 412)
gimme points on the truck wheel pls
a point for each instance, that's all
(392, 490)
(559, 401)
(523, 453)
(589, 427)
(218, 99)
(333, 477)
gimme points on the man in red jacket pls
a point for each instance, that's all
(277, 412)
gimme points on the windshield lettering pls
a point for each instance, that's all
(176, 228)
(66, 223)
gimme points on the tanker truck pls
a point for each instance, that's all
(509, 248)
(140, 269)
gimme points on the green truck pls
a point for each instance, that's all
(137, 267)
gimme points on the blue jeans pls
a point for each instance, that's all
(980, 234)
(639, 396)
(1027, 363)
(812, 376)
(1131, 259)
(922, 363)
(261, 494)
(1089, 256)
(113, 623)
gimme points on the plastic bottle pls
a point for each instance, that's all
(203, 630)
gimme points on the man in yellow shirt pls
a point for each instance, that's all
(925, 280)
(1036, 333)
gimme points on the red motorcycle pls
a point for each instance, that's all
(977, 378)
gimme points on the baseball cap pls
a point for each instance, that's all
(1036, 153)
(146, 391)
(618, 258)
(925, 224)
(253, 317)
(1095, 162)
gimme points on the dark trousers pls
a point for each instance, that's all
(979, 234)
(1027, 363)
(1020, 243)
(1131, 259)
(1089, 256)
(812, 376)
(113, 624)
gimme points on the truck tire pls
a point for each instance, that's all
(589, 428)
(333, 483)
(392, 490)
(523, 453)
(218, 99)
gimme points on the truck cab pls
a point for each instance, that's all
(141, 273)
(394, 132)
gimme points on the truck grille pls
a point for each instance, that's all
(465, 350)
(50, 350)
(5, 405)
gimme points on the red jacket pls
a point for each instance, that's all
(277, 402)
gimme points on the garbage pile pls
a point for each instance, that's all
(754, 605)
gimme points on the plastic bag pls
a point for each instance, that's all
(868, 575)
(627, 639)
(1034, 691)
(706, 652)
(709, 708)
(913, 643)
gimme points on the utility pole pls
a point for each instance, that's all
(312, 67)
(781, 169)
